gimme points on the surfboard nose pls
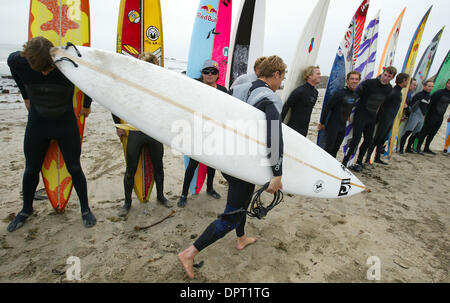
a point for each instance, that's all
(356, 186)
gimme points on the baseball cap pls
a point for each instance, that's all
(210, 64)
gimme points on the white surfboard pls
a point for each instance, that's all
(177, 111)
(307, 49)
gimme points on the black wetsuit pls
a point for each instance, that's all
(418, 107)
(240, 192)
(434, 118)
(387, 114)
(301, 103)
(193, 164)
(50, 116)
(372, 93)
(135, 142)
(422, 101)
(407, 110)
(337, 110)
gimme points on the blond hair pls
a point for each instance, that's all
(270, 66)
(309, 72)
(149, 57)
(258, 62)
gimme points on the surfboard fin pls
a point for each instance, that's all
(70, 44)
(66, 59)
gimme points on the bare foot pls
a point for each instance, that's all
(186, 258)
(243, 241)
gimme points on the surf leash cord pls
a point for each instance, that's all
(257, 208)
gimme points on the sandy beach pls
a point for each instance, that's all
(403, 219)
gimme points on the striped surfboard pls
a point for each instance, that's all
(366, 66)
(424, 66)
(345, 58)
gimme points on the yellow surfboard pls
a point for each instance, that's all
(126, 126)
(140, 30)
(408, 68)
(60, 21)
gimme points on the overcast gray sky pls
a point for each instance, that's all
(285, 20)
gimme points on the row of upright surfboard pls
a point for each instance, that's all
(140, 29)
(355, 54)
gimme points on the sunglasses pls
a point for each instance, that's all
(210, 71)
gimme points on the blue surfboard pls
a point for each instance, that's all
(335, 83)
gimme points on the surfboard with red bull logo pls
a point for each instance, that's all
(210, 40)
(60, 21)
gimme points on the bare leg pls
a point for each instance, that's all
(186, 258)
(243, 241)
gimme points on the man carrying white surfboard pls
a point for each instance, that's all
(302, 100)
(210, 75)
(262, 95)
(245, 78)
(51, 116)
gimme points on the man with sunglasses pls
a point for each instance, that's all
(210, 75)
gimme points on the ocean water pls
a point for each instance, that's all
(5, 50)
(176, 65)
